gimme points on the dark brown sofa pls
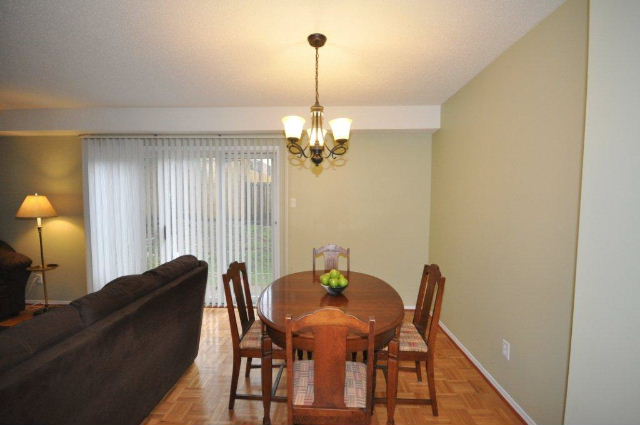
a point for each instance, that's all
(13, 279)
(109, 357)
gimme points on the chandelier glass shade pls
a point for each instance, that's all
(317, 147)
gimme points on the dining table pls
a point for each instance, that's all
(300, 293)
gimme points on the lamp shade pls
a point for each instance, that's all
(340, 127)
(293, 126)
(35, 206)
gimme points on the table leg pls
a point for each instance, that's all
(392, 377)
(266, 375)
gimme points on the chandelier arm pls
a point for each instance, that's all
(306, 151)
(329, 151)
(336, 151)
(297, 150)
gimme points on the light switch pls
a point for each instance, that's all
(292, 202)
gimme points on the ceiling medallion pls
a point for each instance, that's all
(317, 148)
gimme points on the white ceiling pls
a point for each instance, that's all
(198, 53)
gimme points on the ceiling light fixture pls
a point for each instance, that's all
(317, 149)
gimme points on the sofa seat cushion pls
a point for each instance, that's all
(22, 341)
(113, 296)
(173, 269)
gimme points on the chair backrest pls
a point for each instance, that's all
(237, 280)
(429, 303)
(418, 319)
(330, 328)
(331, 254)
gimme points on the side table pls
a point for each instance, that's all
(43, 270)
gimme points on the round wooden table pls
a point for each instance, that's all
(300, 293)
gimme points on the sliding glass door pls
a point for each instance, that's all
(215, 198)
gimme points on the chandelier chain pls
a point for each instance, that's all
(317, 96)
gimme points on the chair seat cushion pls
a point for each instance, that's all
(410, 339)
(253, 338)
(355, 385)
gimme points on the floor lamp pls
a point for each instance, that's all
(38, 207)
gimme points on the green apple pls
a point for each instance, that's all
(342, 281)
(334, 273)
(324, 279)
(334, 282)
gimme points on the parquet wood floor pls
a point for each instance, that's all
(23, 316)
(201, 396)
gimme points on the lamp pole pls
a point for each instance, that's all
(42, 264)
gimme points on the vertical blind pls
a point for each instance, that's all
(152, 199)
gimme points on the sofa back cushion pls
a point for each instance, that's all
(174, 268)
(113, 296)
(22, 341)
(124, 290)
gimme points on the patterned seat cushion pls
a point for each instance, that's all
(355, 385)
(410, 339)
(252, 339)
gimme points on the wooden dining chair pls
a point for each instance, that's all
(329, 389)
(419, 316)
(331, 254)
(246, 336)
(418, 338)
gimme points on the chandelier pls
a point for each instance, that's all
(317, 148)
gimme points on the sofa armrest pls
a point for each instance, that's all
(14, 260)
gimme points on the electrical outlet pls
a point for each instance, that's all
(506, 349)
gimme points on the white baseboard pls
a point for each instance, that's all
(55, 302)
(487, 375)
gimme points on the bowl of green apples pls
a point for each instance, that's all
(334, 282)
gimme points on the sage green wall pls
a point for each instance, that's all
(377, 204)
(50, 166)
(506, 181)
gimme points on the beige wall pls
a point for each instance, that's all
(377, 205)
(506, 180)
(604, 379)
(51, 166)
